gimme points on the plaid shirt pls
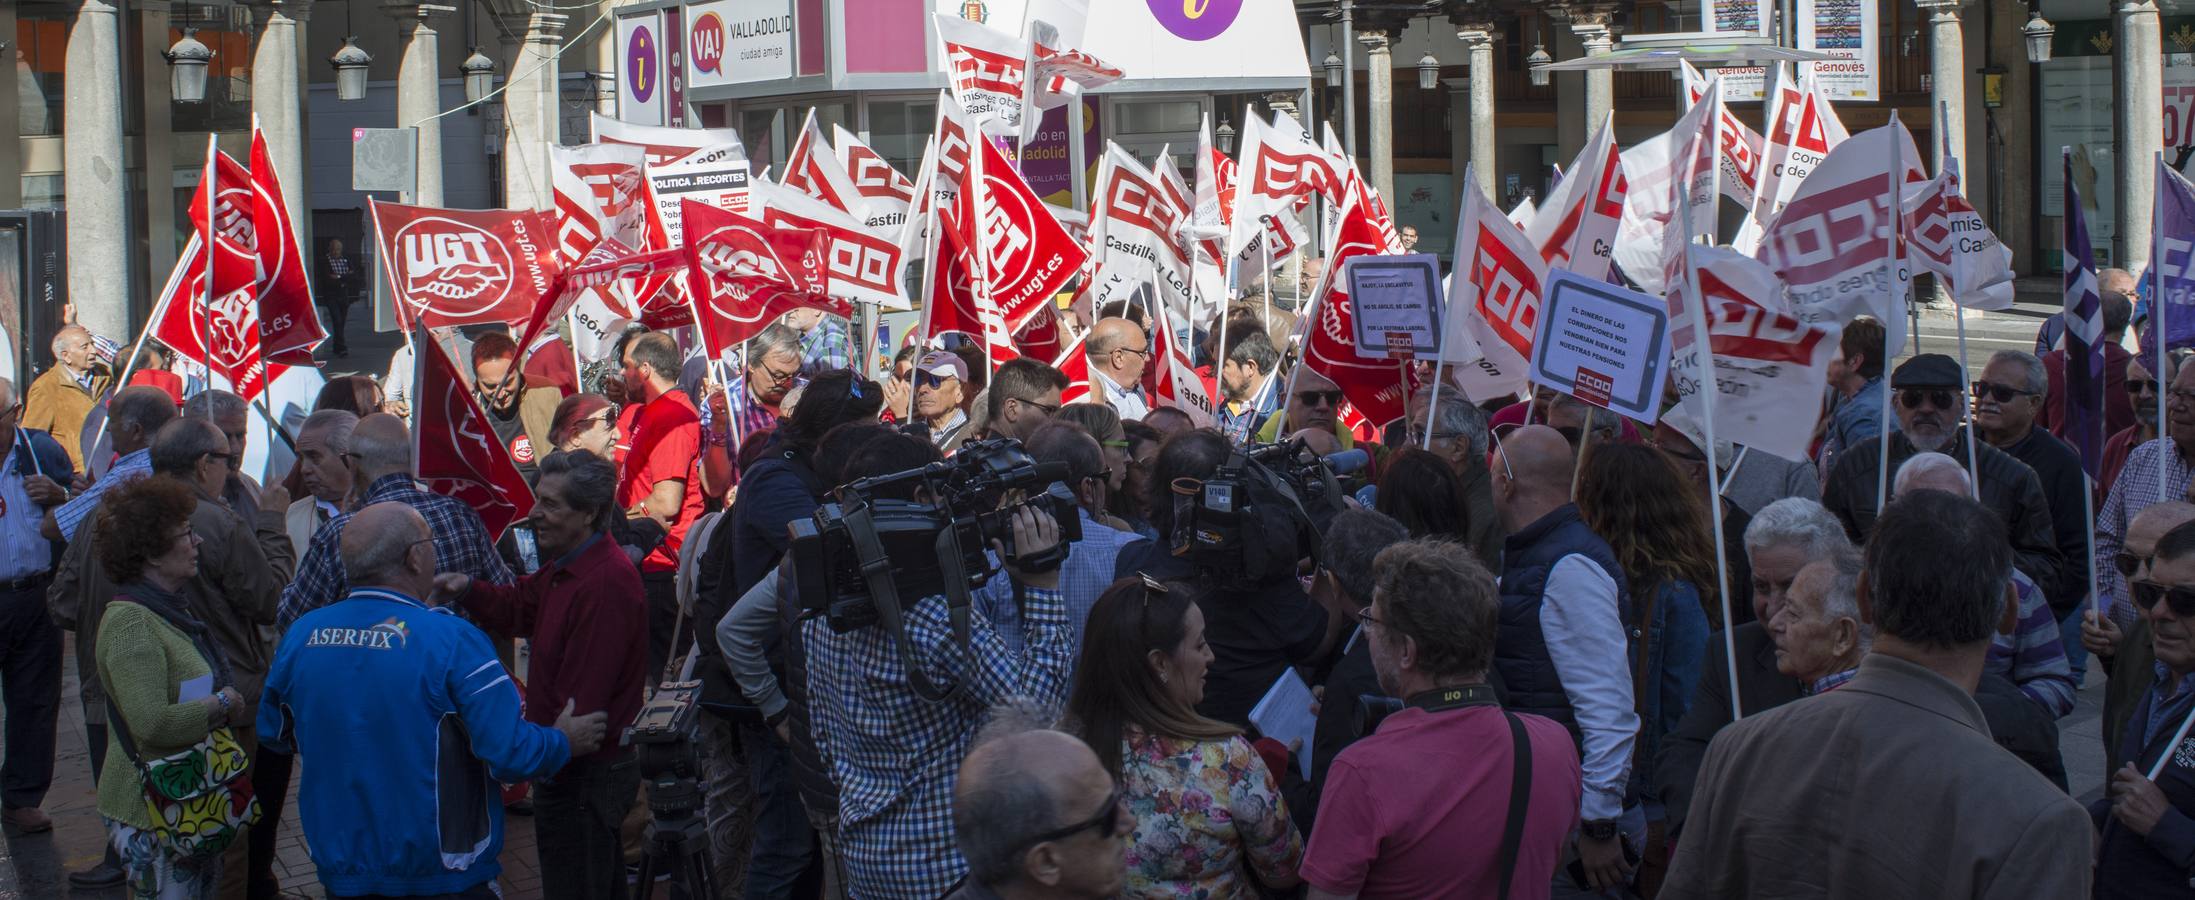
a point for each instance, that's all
(748, 414)
(825, 347)
(71, 515)
(1086, 574)
(2134, 491)
(895, 756)
(461, 544)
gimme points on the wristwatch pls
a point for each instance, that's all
(1598, 829)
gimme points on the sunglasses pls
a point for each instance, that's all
(931, 379)
(1107, 822)
(1048, 408)
(2141, 387)
(2181, 600)
(2002, 393)
(1940, 398)
(1319, 398)
(2128, 563)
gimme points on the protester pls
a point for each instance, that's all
(2109, 280)
(442, 704)
(381, 455)
(1117, 351)
(1247, 384)
(151, 370)
(232, 416)
(773, 366)
(899, 390)
(1563, 597)
(894, 754)
(1091, 561)
(335, 284)
(1459, 435)
(1168, 421)
(518, 412)
(1420, 491)
(940, 379)
(1313, 402)
(823, 341)
(1353, 540)
(1497, 794)
(358, 395)
(325, 472)
(1855, 416)
(2116, 406)
(1408, 235)
(661, 479)
(1680, 437)
(1131, 503)
(133, 416)
(150, 647)
(1576, 418)
(2126, 654)
(1024, 395)
(1112, 436)
(2006, 402)
(1818, 634)
(1930, 390)
(2156, 471)
(1036, 815)
(1210, 821)
(1772, 809)
(586, 628)
(2145, 391)
(31, 479)
(2147, 820)
(62, 397)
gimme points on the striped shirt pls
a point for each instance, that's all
(71, 515)
(2134, 491)
(2033, 655)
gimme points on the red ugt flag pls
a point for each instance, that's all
(457, 451)
(218, 328)
(743, 274)
(288, 327)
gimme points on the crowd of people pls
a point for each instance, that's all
(1533, 669)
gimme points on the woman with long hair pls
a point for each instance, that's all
(1210, 821)
(1420, 489)
(1634, 498)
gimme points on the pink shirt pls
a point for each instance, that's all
(1417, 809)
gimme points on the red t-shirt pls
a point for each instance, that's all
(1436, 832)
(666, 444)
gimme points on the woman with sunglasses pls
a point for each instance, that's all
(1209, 818)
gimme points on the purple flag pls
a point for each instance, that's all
(2084, 334)
(2172, 263)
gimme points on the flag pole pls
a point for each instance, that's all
(1890, 271)
(2164, 338)
(1950, 163)
(1696, 307)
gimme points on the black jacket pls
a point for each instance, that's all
(2009, 488)
(2159, 864)
(2058, 468)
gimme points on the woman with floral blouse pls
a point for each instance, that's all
(1210, 822)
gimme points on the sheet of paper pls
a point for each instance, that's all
(195, 689)
(1284, 714)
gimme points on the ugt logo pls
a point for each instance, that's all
(452, 268)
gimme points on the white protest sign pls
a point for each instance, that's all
(1602, 344)
(716, 176)
(1398, 304)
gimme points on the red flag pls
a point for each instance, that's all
(456, 449)
(461, 266)
(288, 327)
(743, 274)
(1072, 363)
(1376, 387)
(222, 336)
(609, 262)
(1027, 254)
(954, 305)
(1042, 338)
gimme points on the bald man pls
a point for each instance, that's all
(1117, 351)
(410, 722)
(381, 450)
(62, 397)
(1036, 816)
(1561, 595)
(2120, 640)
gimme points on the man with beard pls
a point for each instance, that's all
(1928, 396)
(519, 414)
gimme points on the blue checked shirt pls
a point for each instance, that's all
(895, 756)
(825, 347)
(1087, 572)
(461, 544)
(71, 515)
(2133, 492)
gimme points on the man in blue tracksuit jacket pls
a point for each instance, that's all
(406, 722)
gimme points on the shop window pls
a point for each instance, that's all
(42, 36)
(898, 129)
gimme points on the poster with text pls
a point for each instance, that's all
(1602, 344)
(1740, 84)
(738, 41)
(1846, 28)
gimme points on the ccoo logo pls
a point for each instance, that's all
(1195, 20)
(452, 268)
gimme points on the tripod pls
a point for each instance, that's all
(677, 841)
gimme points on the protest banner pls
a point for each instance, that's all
(1602, 344)
(461, 267)
(289, 329)
(988, 71)
(1398, 305)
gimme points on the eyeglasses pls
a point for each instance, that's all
(1104, 476)
(224, 457)
(1365, 615)
(2181, 600)
(2128, 563)
(1107, 821)
(1940, 398)
(588, 423)
(1319, 398)
(1048, 408)
(2002, 393)
(2148, 386)
(1139, 351)
(931, 379)
(1501, 454)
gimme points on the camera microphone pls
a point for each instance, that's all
(1347, 462)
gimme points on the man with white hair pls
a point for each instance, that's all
(233, 416)
(1819, 634)
(62, 397)
(2032, 656)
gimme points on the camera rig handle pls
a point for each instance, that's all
(876, 569)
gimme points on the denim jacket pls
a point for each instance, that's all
(1675, 644)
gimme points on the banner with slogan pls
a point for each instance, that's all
(716, 176)
(449, 267)
(1602, 344)
(1769, 365)
(1832, 245)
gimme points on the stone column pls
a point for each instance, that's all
(530, 120)
(1946, 78)
(419, 90)
(1591, 27)
(277, 87)
(2140, 127)
(94, 179)
(1379, 63)
(1479, 43)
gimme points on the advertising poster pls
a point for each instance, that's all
(1846, 28)
(640, 76)
(738, 41)
(1740, 84)
(1044, 162)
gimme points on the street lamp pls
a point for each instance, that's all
(350, 64)
(2038, 32)
(479, 74)
(188, 60)
(1536, 61)
(1333, 71)
(1226, 137)
(1428, 71)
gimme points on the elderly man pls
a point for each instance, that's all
(133, 416)
(1818, 633)
(1023, 396)
(62, 397)
(2146, 391)
(1930, 390)
(755, 395)
(2125, 653)
(399, 794)
(325, 471)
(1036, 816)
(940, 379)
(2007, 400)
(1117, 351)
(381, 451)
(518, 413)
(1314, 402)
(1773, 809)
(31, 479)
(1457, 432)
(233, 416)
(2147, 819)
(2156, 471)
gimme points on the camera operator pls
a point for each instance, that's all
(744, 762)
(1090, 561)
(1256, 629)
(894, 754)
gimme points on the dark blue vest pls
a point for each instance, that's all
(1520, 649)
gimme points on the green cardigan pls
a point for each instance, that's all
(143, 661)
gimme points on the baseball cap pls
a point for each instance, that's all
(940, 362)
(1929, 370)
